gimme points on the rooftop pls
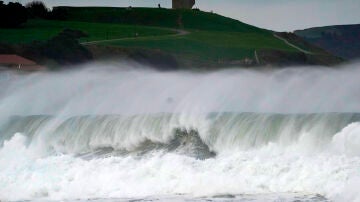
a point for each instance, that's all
(20, 63)
(15, 60)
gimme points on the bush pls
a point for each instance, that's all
(75, 34)
(6, 49)
(65, 48)
(12, 15)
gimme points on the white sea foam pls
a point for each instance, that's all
(348, 140)
(267, 170)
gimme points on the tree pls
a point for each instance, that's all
(58, 13)
(12, 15)
(37, 9)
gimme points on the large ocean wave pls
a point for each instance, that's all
(115, 133)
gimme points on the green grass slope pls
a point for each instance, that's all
(42, 30)
(206, 47)
(212, 40)
(182, 19)
(209, 40)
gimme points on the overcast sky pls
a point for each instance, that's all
(279, 15)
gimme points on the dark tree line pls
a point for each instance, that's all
(13, 15)
(37, 9)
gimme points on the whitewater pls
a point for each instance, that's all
(107, 132)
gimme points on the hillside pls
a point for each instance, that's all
(340, 40)
(165, 38)
(180, 19)
(213, 40)
(42, 30)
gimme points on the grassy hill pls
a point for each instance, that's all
(212, 39)
(207, 47)
(181, 19)
(42, 30)
(340, 40)
(187, 38)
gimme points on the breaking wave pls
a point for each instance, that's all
(130, 134)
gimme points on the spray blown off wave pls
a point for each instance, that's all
(115, 133)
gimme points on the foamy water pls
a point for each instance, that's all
(120, 134)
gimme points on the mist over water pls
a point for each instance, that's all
(108, 132)
(110, 90)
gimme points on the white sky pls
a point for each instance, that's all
(279, 15)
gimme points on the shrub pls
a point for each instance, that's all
(65, 48)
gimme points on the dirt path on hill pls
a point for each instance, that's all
(292, 45)
(179, 33)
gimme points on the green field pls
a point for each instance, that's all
(181, 19)
(207, 45)
(42, 30)
(209, 39)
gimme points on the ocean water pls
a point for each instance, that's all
(129, 133)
